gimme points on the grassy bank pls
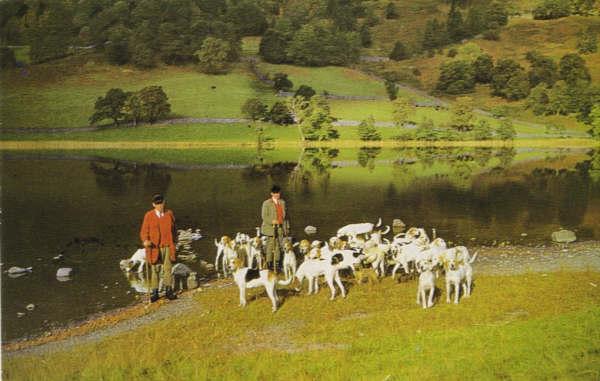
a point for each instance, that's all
(530, 326)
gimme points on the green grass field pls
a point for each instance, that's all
(531, 326)
(45, 98)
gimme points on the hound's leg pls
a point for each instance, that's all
(243, 296)
(431, 292)
(329, 280)
(418, 296)
(423, 298)
(448, 285)
(456, 292)
(338, 280)
(396, 267)
(272, 295)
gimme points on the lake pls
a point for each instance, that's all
(88, 206)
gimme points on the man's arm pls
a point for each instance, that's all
(145, 232)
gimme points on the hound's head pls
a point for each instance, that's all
(439, 243)
(242, 238)
(304, 246)
(316, 244)
(288, 246)
(126, 264)
(425, 265)
(256, 242)
(237, 263)
(225, 240)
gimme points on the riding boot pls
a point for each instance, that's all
(154, 296)
(170, 294)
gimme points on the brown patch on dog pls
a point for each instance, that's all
(271, 276)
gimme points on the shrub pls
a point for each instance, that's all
(305, 92)
(552, 9)
(456, 77)
(367, 130)
(254, 109)
(281, 82)
(280, 114)
(399, 52)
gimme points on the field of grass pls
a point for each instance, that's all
(51, 97)
(333, 79)
(503, 331)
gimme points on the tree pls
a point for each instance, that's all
(143, 45)
(503, 72)
(319, 43)
(402, 110)
(117, 46)
(483, 67)
(496, 15)
(538, 99)
(273, 47)
(552, 9)
(154, 104)
(367, 130)
(247, 17)
(109, 107)
(572, 69)
(456, 77)
(213, 56)
(316, 121)
(542, 69)
(391, 88)
(280, 114)
(305, 92)
(390, 11)
(482, 130)
(132, 108)
(517, 87)
(50, 31)
(399, 52)
(281, 82)
(254, 109)
(587, 42)
(434, 35)
(462, 114)
(365, 36)
(595, 122)
(454, 25)
(506, 130)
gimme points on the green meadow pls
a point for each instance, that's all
(532, 326)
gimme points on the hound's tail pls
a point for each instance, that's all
(378, 223)
(387, 230)
(473, 257)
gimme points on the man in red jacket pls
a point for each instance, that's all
(158, 234)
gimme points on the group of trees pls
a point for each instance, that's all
(481, 17)
(150, 104)
(317, 33)
(553, 9)
(143, 32)
(508, 79)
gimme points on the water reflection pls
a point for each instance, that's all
(367, 155)
(119, 177)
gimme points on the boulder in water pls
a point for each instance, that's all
(64, 272)
(564, 236)
(30, 307)
(310, 229)
(19, 270)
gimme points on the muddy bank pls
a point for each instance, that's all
(508, 260)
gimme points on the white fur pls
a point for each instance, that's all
(457, 273)
(137, 259)
(426, 284)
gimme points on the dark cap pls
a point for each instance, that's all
(158, 199)
(275, 189)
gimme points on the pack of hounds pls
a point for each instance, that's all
(360, 249)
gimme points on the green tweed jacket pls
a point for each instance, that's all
(269, 213)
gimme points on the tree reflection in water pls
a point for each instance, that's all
(367, 155)
(118, 177)
(314, 165)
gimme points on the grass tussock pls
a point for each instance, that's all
(530, 326)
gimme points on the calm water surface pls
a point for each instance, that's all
(90, 210)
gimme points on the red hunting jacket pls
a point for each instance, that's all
(161, 232)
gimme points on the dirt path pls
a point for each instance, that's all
(510, 260)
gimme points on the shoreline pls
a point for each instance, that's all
(491, 261)
(9, 145)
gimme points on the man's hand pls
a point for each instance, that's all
(147, 243)
(275, 222)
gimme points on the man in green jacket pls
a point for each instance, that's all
(274, 226)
